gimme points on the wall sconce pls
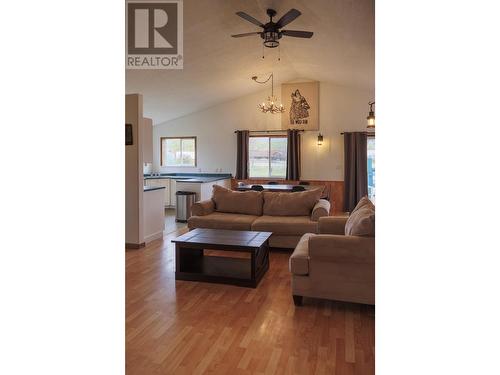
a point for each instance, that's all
(320, 139)
(371, 117)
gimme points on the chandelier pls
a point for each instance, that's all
(272, 105)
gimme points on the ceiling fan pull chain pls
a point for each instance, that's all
(262, 51)
(279, 53)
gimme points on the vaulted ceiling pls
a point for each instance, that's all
(217, 67)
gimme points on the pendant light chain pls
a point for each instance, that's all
(272, 85)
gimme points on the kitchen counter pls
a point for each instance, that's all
(199, 183)
(153, 212)
(150, 188)
(191, 177)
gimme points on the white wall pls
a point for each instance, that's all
(133, 172)
(341, 108)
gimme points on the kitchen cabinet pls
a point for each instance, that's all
(167, 184)
(224, 183)
(153, 215)
(203, 190)
(173, 190)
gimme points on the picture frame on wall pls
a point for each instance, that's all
(301, 101)
(129, 140)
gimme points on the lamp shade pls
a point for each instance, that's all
(370, 120)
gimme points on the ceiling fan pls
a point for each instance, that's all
(271, 32)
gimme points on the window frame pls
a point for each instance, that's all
(269, 153)
(181, 138)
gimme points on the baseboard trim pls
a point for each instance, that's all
(134, 245)
(154, 236)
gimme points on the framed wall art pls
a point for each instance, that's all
(301, 101)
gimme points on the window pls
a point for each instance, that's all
(371, 168)
(267, 156)
(178, 152)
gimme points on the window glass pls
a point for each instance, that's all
(188, 151)
(371, 168)
(267, 157)
(278, 157)
(178, 152)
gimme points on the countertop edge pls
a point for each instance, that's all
(193, 179)
(151, 188)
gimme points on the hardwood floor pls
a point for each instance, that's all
(183, 327)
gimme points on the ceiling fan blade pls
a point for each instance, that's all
(245, 34)
(297, 34)
(288, 17)
(250, 19)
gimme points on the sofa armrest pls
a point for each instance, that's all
(342, 249)
(332, 225)
(202, 208)
(322, 208)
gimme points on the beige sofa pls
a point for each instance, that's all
(287, 215)
(339, 262)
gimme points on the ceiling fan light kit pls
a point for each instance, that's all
(272, 32)
(271, 39)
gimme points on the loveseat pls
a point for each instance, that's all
(339, 262)
(287, 215)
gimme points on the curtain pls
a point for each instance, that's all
(355, 169)
(293, 159)
(242, 154)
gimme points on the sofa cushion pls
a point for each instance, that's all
(285, 225)
(237, 202)
(361, 222)
(220, 220)
(290, 204)
(201, 208)
(364, 202)
(299, 261)
(320, 209)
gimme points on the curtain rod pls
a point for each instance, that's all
(369, 133)
(269, 131)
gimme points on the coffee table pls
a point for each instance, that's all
(192, 264)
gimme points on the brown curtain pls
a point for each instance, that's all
(293, 159)
(242, 154)
(355, 169)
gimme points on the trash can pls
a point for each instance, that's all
(184, 200)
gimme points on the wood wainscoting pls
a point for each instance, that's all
(332, 189)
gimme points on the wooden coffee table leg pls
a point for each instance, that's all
(253, 261)
(261, 262)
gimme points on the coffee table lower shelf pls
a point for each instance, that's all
(216, 269)
(221, 270)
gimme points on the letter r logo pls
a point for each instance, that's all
(152, 28)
